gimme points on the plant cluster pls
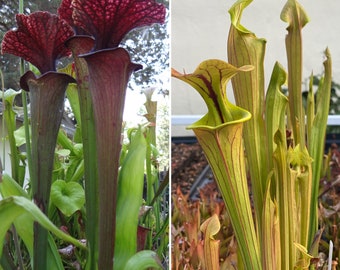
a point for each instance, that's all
(270, 136)
(85, 187)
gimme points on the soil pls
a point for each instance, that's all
(188, 162)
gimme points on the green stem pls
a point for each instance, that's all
(80, 45)
(149, 190)
(10, 118)
(2, 166)
(27, 132)
(24, 105)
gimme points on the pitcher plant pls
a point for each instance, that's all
(284, 170)
(92, 32)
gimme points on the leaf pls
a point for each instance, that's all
(304, 261)
(245, 48)
(270, 232)
(129, 201)
(68, 197)
(211, 246)
(219, 133)
(210, 79)
(9, 117)
(9, 187)
(20, 137)
(72, 92)
(317, 138)
(276, 103)
(9, 96)
(145, 259)
(39, 39)
(63, 152)
(109, 21)
(24, 223)
(11, 208)
(80, 45)
(296, 17)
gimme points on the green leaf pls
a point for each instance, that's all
(219, 133)
(296, 17)
(72, 95)
(20, 137)
(90, 152)
(10, 121)
(63, 152)
(68, 197)
(210, 79)
(11, 208)
(145, 259)
(245, 48)
(276, 103)
(9, 187)
(130, 198)
(72, 92)
(317, 138)
(9, 96)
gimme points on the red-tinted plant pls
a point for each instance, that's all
(109, 21)
(109, 70)
(103, 70)
(39, 40)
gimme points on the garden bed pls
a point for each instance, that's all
(189, 166)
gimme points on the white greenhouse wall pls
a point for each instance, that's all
(199, 31)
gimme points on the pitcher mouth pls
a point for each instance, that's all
(203, 123)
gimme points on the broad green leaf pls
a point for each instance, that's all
(24, 224)
(68, 197)
(19, 135)
(142, 260)
(9, 187)
(13, 207)
(130, 198)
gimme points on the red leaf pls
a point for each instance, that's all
(110, 20)
(39, 39)
(65, 11)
